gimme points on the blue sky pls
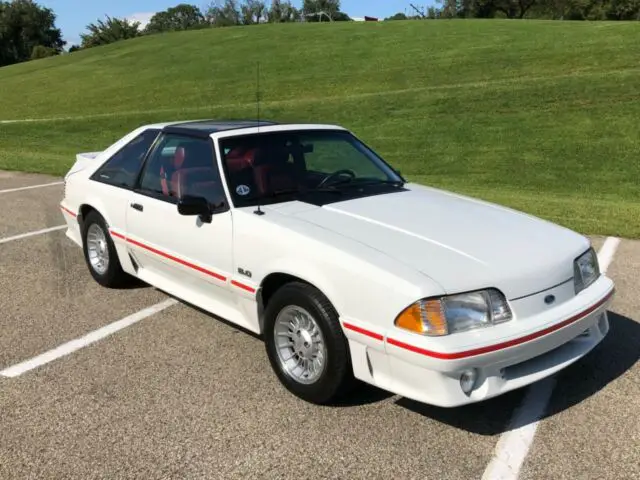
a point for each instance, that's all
(74, 15)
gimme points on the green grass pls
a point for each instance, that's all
(540, 116)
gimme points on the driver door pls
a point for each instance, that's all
(187, 255)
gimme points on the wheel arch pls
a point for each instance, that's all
(277, 279)
(84, 210)
(92, 205)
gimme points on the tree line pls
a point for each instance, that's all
(220, 13)
(28, 30)
(529, 9)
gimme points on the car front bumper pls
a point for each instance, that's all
(411, 366)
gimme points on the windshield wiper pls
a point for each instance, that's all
(394, 183)
(296, 191)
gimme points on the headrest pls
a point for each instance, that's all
(178, 157)
(240, 158)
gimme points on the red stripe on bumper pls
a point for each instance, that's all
(503, 345)
(74, 215)
(170, 257)
(243, 286)
(377, 336)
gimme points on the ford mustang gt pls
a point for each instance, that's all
(306, 236)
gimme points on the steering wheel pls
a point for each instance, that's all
(336, 174)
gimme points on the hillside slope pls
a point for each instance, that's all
(542, 116)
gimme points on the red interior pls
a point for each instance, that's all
(240, 158)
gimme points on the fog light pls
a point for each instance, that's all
(468, 380)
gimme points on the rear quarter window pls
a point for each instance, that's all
(122, 169)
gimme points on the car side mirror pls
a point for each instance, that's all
(190, 205)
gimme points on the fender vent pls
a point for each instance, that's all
(134, 263)
(369, 363)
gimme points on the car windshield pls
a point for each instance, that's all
(315, 165)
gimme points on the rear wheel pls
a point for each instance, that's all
(100, 252)
(305, 344)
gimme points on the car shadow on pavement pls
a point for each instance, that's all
(615, 355)
(132, 283)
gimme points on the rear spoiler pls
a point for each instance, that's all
(83, 160)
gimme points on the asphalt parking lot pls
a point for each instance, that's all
(182, 394)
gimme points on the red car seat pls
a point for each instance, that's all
(273, 171)
(167, 171)
(239, 159)
(194, 172)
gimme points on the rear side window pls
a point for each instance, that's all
(121, 170)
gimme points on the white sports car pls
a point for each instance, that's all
(303, 234)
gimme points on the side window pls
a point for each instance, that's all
(180, 166)
(122, 168)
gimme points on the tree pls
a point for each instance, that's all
(223, 13)
(487, 8)
(180, 17)
(283, 12)
(623, 10)
(74, 48)
(514, 8)
(320, 10)
(397, 16)
(253, 11)
(113, 30)
(341, 17)
(25, 25)
(40, 51)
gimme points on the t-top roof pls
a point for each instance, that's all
(207, 127)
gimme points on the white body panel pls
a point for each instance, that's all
(371, 257)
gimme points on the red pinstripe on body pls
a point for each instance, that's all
(487, 349)
(170, 257)
(374, 335)
(243, 286)
(64, 209)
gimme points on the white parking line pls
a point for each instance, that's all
(91, 337)
(19, 189)
(513, 445)
(606, 253)
(31, 234)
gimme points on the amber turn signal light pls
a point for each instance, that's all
(425, 317)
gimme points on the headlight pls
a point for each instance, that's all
(585, 270)
(455, 313)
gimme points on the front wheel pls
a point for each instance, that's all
(305, 344)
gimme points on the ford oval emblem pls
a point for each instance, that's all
(549, 299)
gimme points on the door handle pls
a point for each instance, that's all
(137, 206)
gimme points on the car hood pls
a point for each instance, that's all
(461, 243)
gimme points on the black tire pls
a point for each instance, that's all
(114, 276)
(337, 377)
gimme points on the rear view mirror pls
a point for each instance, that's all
(190, 205)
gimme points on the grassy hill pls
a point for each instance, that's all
(541, 116)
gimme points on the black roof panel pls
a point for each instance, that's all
(207, 127)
